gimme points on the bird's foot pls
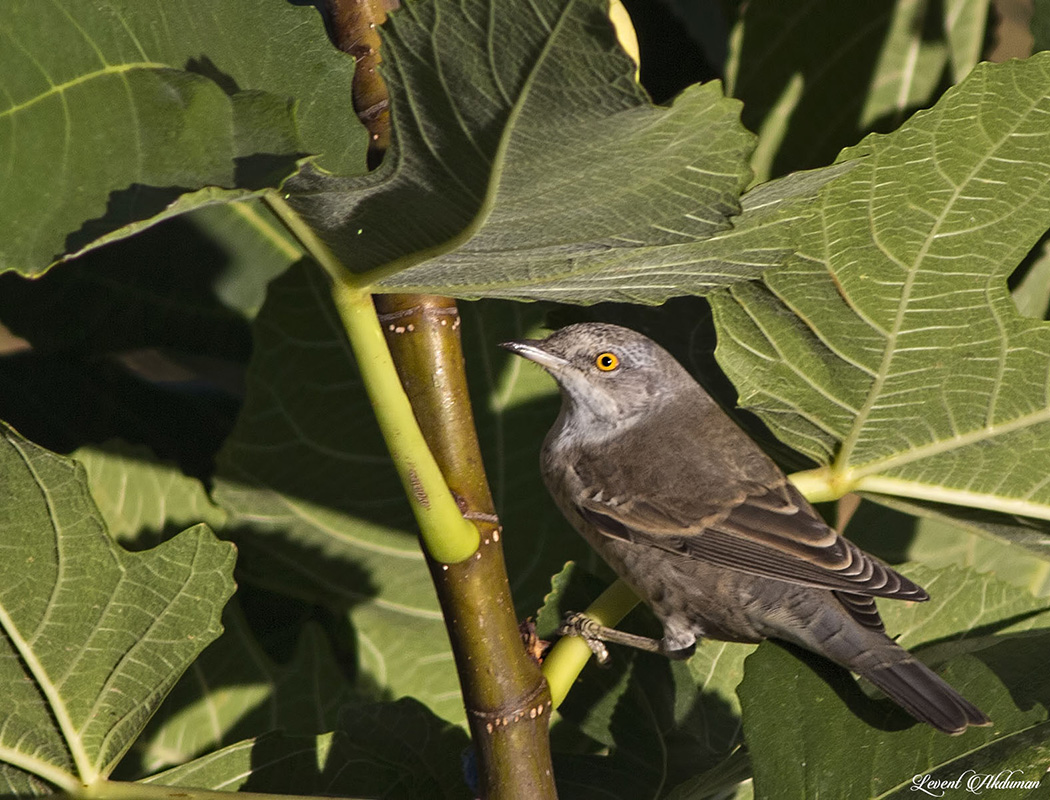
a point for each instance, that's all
(596, 635)
(577, 624)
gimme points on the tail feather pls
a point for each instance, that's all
(924, 695)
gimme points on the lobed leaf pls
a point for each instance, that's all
(838, 751)
(236, 691)
(529, 164)
(139, 497)
(114, 114)
(93, 637)
(396, 750)
(890, 350)
(1006, 633)
(899, 531)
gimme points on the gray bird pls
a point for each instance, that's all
(706, 528)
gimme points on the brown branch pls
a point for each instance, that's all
(507, 700)
(355, 28)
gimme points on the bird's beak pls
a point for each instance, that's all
(532, 349)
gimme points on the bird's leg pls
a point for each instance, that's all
(595, 635)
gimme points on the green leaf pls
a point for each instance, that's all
(529, 164)
(235, 691)
(843, 70)
(256, 246)
(639, 701)
(1032, 292)
(106, 302)
(658, 718)
(963, 603)
(572, 589)
(891, 350)
(93, 637)
(730, 780)
(1041, 25)
(390, 750)
(832, 721)
(139, 497)
(207, 277)
(833, 751)
(899, 531)
(109, 117)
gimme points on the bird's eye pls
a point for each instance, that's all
(606, 362)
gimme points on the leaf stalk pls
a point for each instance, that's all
(570, 654)
(120, 790)
(447, 536)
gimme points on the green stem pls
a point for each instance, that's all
(310, 241)
(119, 790)
(569, 656)
(448, 537)
(821, 485)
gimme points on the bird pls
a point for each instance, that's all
(706, 528)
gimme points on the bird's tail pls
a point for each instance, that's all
(850, 633)
(924, 695)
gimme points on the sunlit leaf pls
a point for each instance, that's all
(891, 350)
(546, 173)
(93, 637)
(395, 750)
(110, 120)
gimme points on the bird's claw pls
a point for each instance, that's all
(577, 624)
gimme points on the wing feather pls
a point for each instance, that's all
(746, 516)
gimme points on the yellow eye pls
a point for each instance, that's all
(606, 362)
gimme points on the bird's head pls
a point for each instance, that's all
(608, 373)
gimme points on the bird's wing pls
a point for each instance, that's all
(862, 608)
(764, 529)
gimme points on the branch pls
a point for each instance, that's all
(506, 698)
(508, 702)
